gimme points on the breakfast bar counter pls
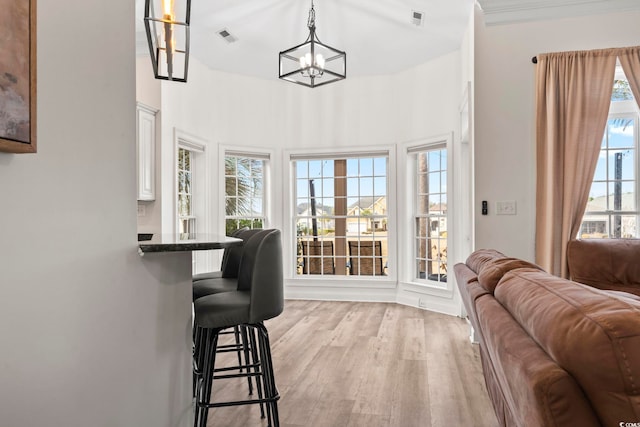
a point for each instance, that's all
(193, 242)
(167, 259)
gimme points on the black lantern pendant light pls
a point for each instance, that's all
(313, 63)
(168, 37)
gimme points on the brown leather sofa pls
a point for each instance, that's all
(611, 264)
(557, 352)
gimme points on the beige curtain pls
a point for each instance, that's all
(630, 61)
(573, 92)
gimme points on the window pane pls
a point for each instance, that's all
(315, 168)
(621, 196)
(352, 167)
(181, 183)
(244, 188)
(184, 205)
(628, 226)
(302, 188)
(366, 167)
(434, 203)
(380, 187)
(366, 187)
(327, 168)
(615, 180)
(621, 90)
(353, 186)
(434, 182)
(230, 206)
(244, 167)
(380, 166)
(327, 187)
(301, 168)
(348, 234)
(431, 243)
(187, 182)
(434, 160)
(187, 160)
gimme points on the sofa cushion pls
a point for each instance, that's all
(492, 271)
(526, 386)
(478, 258)
(593, 335)
(605, 263)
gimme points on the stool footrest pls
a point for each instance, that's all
(241, 402)
(238, 368)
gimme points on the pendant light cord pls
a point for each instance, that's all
(311, 22)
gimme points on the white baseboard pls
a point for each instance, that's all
(445, 305)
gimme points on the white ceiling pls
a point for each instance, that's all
(377, 35)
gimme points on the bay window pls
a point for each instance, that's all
(341, 216)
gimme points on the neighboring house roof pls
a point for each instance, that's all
(440, 207)
(364, 202)
(305, 208)
(599, 204)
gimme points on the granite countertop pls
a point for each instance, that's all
(194, 242)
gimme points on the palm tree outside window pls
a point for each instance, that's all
(244, 192)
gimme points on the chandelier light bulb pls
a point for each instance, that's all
(167, 7)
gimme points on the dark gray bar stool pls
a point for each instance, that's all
(228, 275)
(259, 297)
(225, 255)
(225, 280)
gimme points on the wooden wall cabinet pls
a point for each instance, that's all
(146, 151)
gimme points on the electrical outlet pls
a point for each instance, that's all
(422, 303)
(142, 211)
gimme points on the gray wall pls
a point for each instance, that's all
(92, 334)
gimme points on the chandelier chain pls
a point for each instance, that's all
(311, 22)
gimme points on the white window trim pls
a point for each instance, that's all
(268, 184)
(406, 227)
(289, 237)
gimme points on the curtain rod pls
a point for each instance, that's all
(534, 59)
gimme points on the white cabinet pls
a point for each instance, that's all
(146, 124)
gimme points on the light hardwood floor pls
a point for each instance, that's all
(342, 364)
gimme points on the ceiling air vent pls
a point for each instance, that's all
(226, 35)
(417, 18)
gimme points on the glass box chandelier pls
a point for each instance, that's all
(313, 63)
(168, 37)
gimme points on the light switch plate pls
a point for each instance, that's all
(507, 207)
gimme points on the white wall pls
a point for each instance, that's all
(505, 114)
(241, 111)
(88, 327)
